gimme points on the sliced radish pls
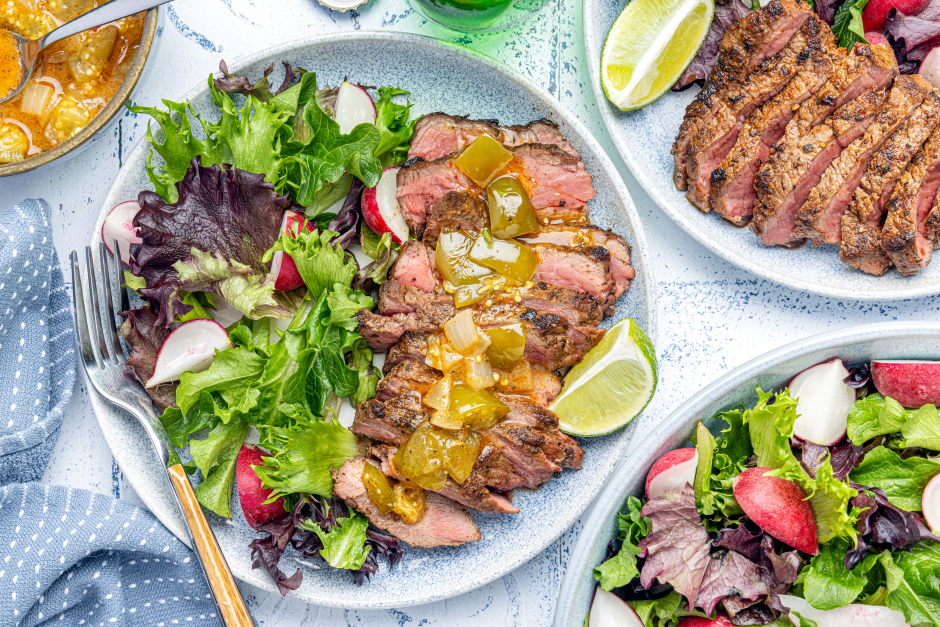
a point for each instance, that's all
(354, 106)
(671, 472)
(119, 225)
(380, 207)
(190, 346)
(852, 615)
(608, 610)
(720, 620)
(251, 493)
(931, 504)
(287, 277)
(930, 67)
(911, 383)
(824, 403)
(778, 506)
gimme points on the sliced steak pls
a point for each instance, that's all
(391, 421)
(473, 493)
(445, 522)
(820, 218)
(556, 182)
(586, 235)
(455, 211)
(408, 374)
(861, 224)
(732, 182)
(381, 332)
(747, 42)
(716, 139)
(812, 141)
(558, 447)
(905, 236)
(438, 135)
(415, 267)
(578, 308)
(412, 345)
(397, 298)
(586, 269)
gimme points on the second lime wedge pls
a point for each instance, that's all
(649, 46)
(612, 384)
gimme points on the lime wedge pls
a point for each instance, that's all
(649, 46)
(612, 384)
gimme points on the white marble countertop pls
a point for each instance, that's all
(713, 316)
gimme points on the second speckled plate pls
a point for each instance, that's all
(644, 139)
(440, 77)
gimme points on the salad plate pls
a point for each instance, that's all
(772, 371)
(440, 77)
(644, 138)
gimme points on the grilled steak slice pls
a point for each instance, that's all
(820, 218)
(585, 269)
(445, 523)
(455, 211)
(407, 375)
(578, 308)
(415, 267)
(381, 332)
(747, 42)
(861, 224)
(557, 184)
(905, 236)
(473, 493)
(412, 345)
(438, 135)
(716, 139)
(811, 141)
(391, 421)
(397, 298)
(558, 447)
(586, 235)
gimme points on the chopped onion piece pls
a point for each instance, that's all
(462, 333)
(438, 397)
(478, 374)
(441, 355)
(36, 97)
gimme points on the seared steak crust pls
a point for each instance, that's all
(439, 134)
(905, 236)
(746, 44)
(861, 224)
(455, 211)
(820, 218)
(811, 141)
(586, 269)
(423, 183)
(445, 522)
(732, 182)
(412, 345)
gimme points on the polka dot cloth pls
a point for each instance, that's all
(72, 557)
(37, 355)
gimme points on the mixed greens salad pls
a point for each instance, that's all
(276, 175)
(757, 523)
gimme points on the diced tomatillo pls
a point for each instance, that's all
(460, 453)
(483, 160)
(510, 212)
(515, 261)
(409, 503)
(507, 345)
(477, 408)
(421, 458)
(453, 261)
(379, 489)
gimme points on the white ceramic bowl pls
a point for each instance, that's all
(889, 340)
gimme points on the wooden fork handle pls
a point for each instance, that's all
(229, 599)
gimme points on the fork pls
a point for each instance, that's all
(103, 359)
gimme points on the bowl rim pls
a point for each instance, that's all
(105, 115)
(610, 500)
(639, 248)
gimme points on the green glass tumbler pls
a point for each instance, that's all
(479, 16)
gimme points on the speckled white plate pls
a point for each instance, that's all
(441, 77)
(889, 340)
(644, 138)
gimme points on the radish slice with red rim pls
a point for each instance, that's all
(354, 106)
(380, 208)
(119, 225)
(190, 346)
(824, 403)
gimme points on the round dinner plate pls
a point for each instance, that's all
(886, 340)
(644, 138)
(440, 77)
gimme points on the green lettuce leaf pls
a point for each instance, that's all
(874, 415)
(847, 25)
(233, 367)
(828, 584)
(660, 612)
(200, 302)
(216, 457)
(321, 264)
(179, 426)
(344, 304)
(304, 451)
(395, 131)
(912, 583)
(344, 546)
(903, 480)
(249, 291)
(719, 462)
(923, 429)
(621, 568)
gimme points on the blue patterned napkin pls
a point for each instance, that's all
(68, 557)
